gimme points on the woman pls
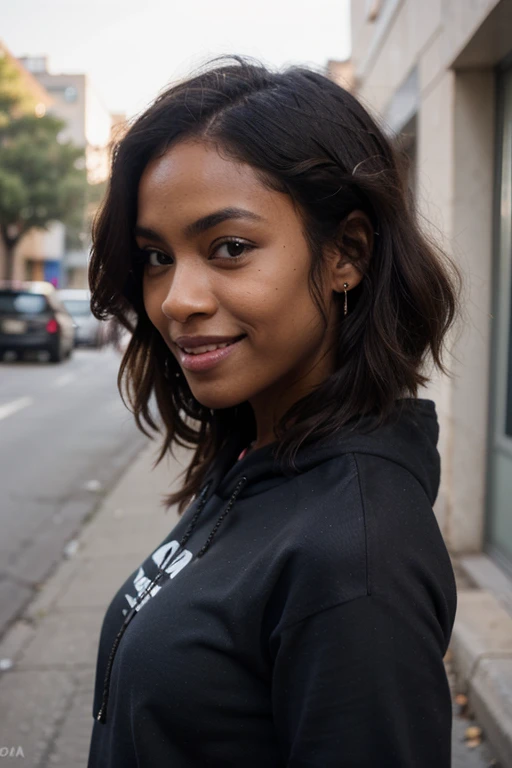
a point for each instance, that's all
(286, 305)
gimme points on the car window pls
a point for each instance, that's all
(19, 303)
(77, 307)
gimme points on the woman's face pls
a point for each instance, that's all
(226, 257)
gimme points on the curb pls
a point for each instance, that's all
(481, 644)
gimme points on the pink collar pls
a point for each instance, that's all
(245, 450)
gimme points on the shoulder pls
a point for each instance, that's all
(403, 540)
(363, 525)
(347, 499)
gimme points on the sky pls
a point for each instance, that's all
(132, 48)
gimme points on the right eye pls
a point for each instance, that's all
(154, 258)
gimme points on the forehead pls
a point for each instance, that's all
(193, 176)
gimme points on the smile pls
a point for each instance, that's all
(205, 357)
(206, 348)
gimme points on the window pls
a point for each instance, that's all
(70, 93)
(77, 307)
(22, 304)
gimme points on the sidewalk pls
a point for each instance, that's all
(49, 655)
(481, 649)
(46, 695)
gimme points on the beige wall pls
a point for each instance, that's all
(38, 245)
(403, 34)
(407, 28)
(342, 72)
(72, 112)
(435, 186)
(455, 160)
(453, 45)
(88, 122)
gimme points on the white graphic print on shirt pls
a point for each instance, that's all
(141, 581)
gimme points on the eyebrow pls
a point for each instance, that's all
(203, 224)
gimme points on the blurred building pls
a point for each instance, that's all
(38, 251)
(39, 96)
(88, 125)
(342, 72)
(119, 126)
(441, 72)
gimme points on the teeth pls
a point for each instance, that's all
(206, 348)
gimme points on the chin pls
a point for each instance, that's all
(217, 400)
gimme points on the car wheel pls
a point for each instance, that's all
(56, 355)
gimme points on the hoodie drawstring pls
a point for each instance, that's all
(217, 525)
(102, 714)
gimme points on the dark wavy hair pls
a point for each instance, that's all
(311, 139)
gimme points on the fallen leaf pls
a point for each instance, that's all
(472, 743)
(473, 732)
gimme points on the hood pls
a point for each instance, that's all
(409, 439)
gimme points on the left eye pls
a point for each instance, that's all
(234, 248)
(155, 258)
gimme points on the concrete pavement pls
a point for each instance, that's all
(48, 656)
(46, 695)
(65, 439)
(482, 651)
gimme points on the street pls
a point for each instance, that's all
(65, 437)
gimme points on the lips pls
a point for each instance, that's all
(206, 348)
(206, 356)
(199, 340)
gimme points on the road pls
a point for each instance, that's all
(65, 437)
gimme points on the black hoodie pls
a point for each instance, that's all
(298, 620)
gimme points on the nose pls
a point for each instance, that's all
(189, 293)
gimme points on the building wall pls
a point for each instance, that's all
(451, 47)
(388, 48)
(88, 122)
(408, 32)
(88, 125)
(342, 72)
(38, 102)
(69, 94)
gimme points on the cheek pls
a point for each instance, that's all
(286, 302)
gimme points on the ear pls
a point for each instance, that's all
(349, 259)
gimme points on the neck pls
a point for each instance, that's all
(271, 405)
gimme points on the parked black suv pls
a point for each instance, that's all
(33, 318)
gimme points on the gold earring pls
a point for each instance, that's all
(345, 309)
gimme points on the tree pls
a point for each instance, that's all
(42, 177)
